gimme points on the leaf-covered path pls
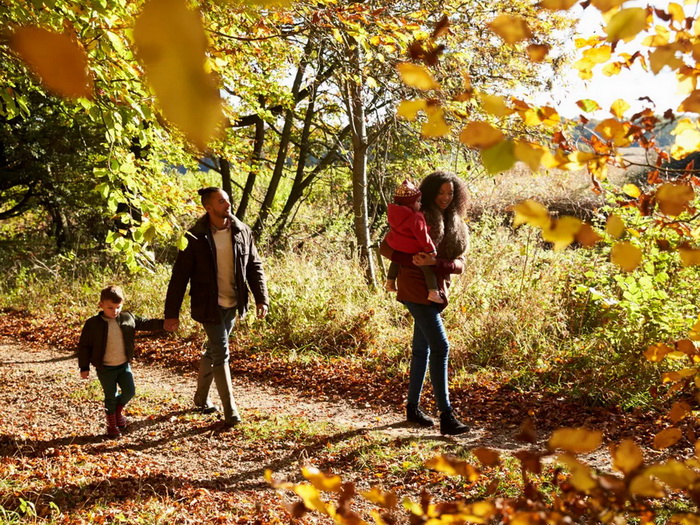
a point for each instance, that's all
(52, 438)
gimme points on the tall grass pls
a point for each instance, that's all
(513, 315)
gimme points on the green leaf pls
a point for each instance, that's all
(500, 157)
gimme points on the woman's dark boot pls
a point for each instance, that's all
(450, 425)
(416, 415)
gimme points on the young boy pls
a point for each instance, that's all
(409, 233)
(107, 342)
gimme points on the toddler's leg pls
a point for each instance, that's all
(431, 281)
(390, 284)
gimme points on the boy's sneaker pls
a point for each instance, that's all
(390, 285)
(434, 296)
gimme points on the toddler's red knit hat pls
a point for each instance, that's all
(406, 193)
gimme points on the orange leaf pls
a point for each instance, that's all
(59, 61)
(537, 52)
(487, 457)
(626, 255)
(667, 437)
(674, 198)
(689, 256)
(657, 352)
(587, 236)
(557, 5)
(409, 109)
(510, 28)
(480, 135)
(627, 457)
(679, 410)
(615, 226)
(576, 440)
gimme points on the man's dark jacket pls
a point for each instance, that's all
(196, 265)
(93, 339)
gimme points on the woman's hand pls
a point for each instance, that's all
(423, 259)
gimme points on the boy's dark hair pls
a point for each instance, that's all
(205, 193)
(112, 293)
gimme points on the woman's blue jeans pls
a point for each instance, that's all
(430, 349)
(112, 376)
(218, 335)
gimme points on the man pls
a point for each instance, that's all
(220, 264)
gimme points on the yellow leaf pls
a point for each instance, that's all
(530, 154)
(606, 5)
(657, 352)
(557, 5)
(626, 24)
(510, 28)
(562, 232)
(495, 105)
(435, 126)
(581, 474)
(674, 198)
(694, 332)
(578, 159)
(646, 486)
(480, 135)
(387, 500)
(530, 212)
(626, 256)
(632, 190)
(627, 457)
(679, 410)
(667, 437)
(59, 61)
(688, 141)
(587, 236)
(619, 107)
(674, 473)
(171, 44)
(537, 52)
(452, 466)
(312, 499)
(689, 256)
(588, 105)
(409, 109)
(576, 440)
(614, 226)
(613, 130)
(598, 55)
(320, 480)
(676, 12)
(417, 76)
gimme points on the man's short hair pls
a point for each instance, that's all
(112, 293)
(205, 193)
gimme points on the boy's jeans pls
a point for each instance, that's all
(112, 376)
(430, 346)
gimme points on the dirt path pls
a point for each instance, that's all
(48, 408)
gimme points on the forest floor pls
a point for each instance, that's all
(175, 465)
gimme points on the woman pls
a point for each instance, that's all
(444, 200)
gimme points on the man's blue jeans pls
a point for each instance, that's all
(112, 376)
(218, 335)
(430, 347)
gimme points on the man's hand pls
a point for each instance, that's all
(261, 310)
(84, 374)
(171, 325)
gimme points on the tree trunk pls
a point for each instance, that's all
(225, 171)
(356, 111)
(255, 159)
(285, 139)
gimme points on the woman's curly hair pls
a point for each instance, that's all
(430, 187)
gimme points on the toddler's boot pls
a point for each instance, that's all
(112, 428)
(120, 419)
(434, 296)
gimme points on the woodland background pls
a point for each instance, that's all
(308, 114)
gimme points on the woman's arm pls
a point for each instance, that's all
(454, 266)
